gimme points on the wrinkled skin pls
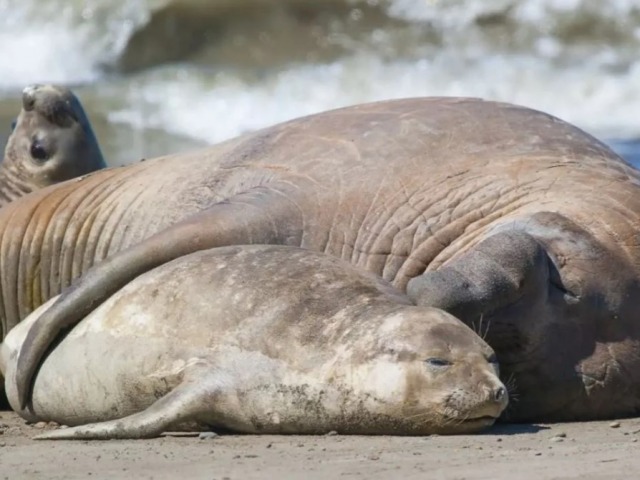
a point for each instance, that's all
(263, 339)
(504, 216)
(52, 141)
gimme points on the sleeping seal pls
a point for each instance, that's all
(262, 339)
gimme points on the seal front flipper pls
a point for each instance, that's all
(262, 215)
(182, 404)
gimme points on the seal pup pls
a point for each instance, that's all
(262, 339)
(487, 210)
(51, 141)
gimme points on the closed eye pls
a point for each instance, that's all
(437, 362)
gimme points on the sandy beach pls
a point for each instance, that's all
(158, 77)
(589, 451)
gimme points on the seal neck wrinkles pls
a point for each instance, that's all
(12, 184)
(431, 226)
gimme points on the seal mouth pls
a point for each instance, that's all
(484, 419)
(453, 425)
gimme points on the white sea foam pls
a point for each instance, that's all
(533, 57)
(215, 109)
(65, 41)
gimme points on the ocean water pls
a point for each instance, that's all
(159, 76)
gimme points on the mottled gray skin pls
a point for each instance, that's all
(262, 339)
(52, 141)
(504, 216)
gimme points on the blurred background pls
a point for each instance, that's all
(159, 76)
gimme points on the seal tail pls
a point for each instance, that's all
(182, 404)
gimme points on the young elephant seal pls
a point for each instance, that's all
(262, 339)
(52, 141)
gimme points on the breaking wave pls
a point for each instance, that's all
(210, 69)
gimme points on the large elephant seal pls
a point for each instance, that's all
(52, 141)
(501, 215)
(263, 339)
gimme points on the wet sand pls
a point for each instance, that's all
(594, 450)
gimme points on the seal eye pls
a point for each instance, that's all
(14, 122)
(492, 358)
(437, 362)
(38, 152)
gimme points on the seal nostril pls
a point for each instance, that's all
(499, 394)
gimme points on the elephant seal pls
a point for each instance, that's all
(496, 213)
(52, 141)
(263, 339)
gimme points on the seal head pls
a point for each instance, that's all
(431, 373)
(52, 141)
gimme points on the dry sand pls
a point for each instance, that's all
(596, 450)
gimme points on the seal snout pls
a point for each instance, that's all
(478, 400)
(55, 103)
(493, 402)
